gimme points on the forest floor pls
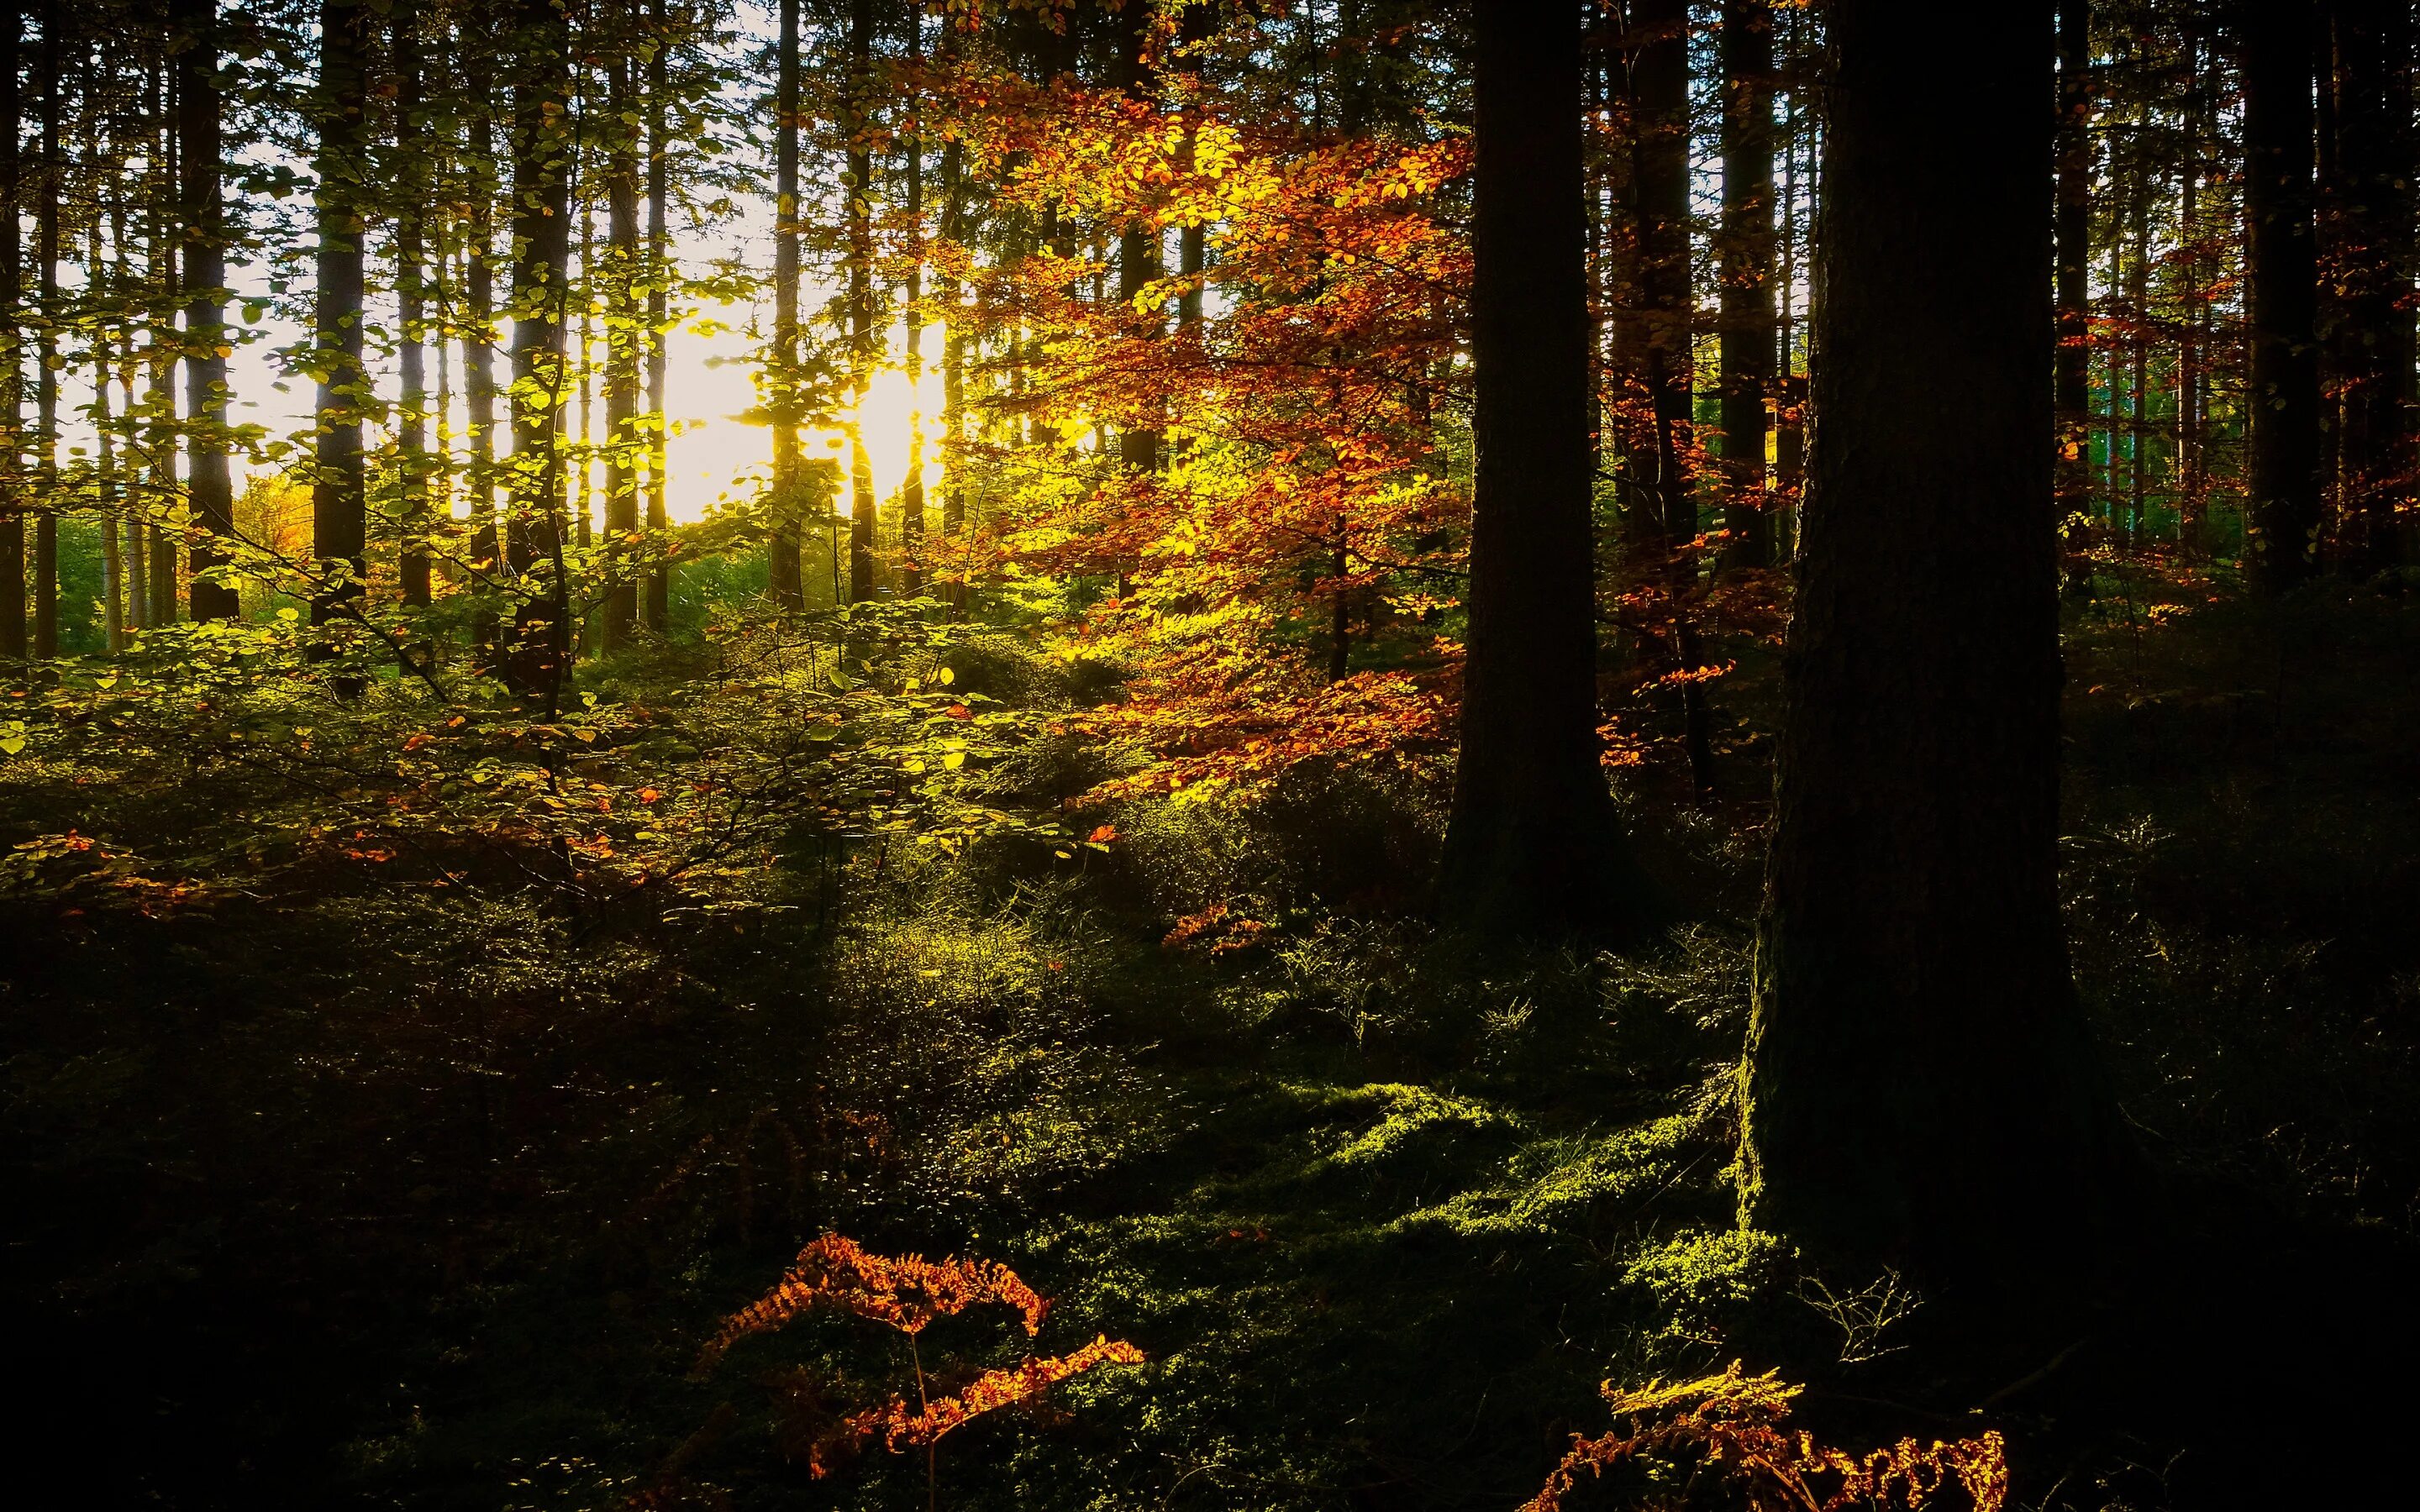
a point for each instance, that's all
(375, 1200)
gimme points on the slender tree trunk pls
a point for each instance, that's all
(208, 487)
(1918, 1090)
(2375, 356)
(163, 384)
(1530, 844)
(412, 296)
(339, 533)
(1790, 421)
(2189, 340)
(1747, 333)
(13, 499)
(1139, 249)
(479, 389)
(911, 490)
(783, 550)
(954, 379)
(2138, 431)
(2073, 369)
(46, 251)
(105, 478)
(623, 440)
(861, 295)
(2283, 520)
(658, 595)
(534, 546)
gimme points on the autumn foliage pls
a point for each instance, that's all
(1734, 1423)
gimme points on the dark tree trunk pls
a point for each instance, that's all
(623, 440)
(1747, 315)
(783, 549)
(533, 544)
(1530, 845)
(2374, 346)
(479, 387)
(1917, 1086)
(2073, 369)
(209, 488)
(658, 605)
(411, 293)
(46, 251)
(911, 489)
(12, 345)
(1139, 250)
(2283, 520)
(1660, 79)
(339, 528)
(953, 376)
(163, 344)
(860, 254)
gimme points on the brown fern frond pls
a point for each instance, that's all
(906, 1292)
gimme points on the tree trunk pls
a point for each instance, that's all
(13, 343)
(954, 377)
(1917, 1091)
(783, 549)
(1747, 333)
(1530, 843)
(1139, 249)
(210, 489)
(411, 293)
(2283, 520)
(623, 442)
(2374, 266)
(861, 295)
(161, 387)
(339, 527)
(911, 490)
(659, 604)
(533, 544)
(2072, 367)
(2190, 347)
(46, 251)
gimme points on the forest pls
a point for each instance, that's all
(1195, 754)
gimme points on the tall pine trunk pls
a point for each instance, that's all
(1748, 314)
(783, 548)
(623, 442)
(479, 389)
(1918, 1088)
(411, 299)
(861, 293)
(2073, 366)
(46, 400)
(541, 230)
(911, 490)
(659, 592)
(1530, 843)
(2374, 344)
(13, 500)
(339, 527)
(2282, 524)
(210, 489)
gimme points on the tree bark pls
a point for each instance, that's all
(911, 489)
(2374, 264)
(861, 295)
(411, 293)
(659, 596)
(1530, 843)
(479, 389)
(2283, 520)
(1918, 1090)
(542, 242)
(623, 440)
(339, 528)
(46, 251)
(783, 549)
(1747, 312)
(2073, 368)
(13, 343)
(210, 489)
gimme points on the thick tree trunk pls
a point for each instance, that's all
(658, 595)
(2072, 383)
(783, 549)
(209, 488)
(623, 440)
(411, 295)
(1748, 314)
(1530, 845)
(2374, 346)
(13, 499)
(542, 253)
(1918, 1088)
(2283, 520)
(339, 528)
